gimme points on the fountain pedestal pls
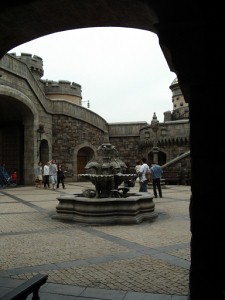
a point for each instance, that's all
(133, 209)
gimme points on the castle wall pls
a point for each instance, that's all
(70, 128)
(125, 137)
(128, 148)
(73, 99)
(68, 134)
(34, 62)
(16, 86)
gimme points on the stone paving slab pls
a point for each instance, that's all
(145, 261)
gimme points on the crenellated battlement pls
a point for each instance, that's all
(61, 87)
(34, 63)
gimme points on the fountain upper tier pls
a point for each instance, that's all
(107, 172)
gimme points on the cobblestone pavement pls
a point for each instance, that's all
(145, 261)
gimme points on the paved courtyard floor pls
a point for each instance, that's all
(148, 261)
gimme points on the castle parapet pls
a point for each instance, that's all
(34, 63)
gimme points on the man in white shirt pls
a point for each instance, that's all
(142, 175)
(46, 174)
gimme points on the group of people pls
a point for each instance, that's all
(50, 174)
(146, 173)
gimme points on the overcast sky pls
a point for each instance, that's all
(122, 71)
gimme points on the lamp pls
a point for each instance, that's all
(88, 103)
(40, 131)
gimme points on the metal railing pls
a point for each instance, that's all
(31, 286)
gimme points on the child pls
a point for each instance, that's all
(14, 178)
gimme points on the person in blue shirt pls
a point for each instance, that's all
(156, 172)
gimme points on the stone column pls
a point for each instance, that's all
(198, 58)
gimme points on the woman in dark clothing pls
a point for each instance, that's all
(60, 176)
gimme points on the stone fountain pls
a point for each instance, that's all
(109, 202)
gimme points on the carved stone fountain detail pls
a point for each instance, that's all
(107, 173)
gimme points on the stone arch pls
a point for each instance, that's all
(190, 37)
(139, 16)
(26, 118)
(15, 94)
(74, 15)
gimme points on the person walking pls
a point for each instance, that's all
(46, 174)
(39, 177)
(53, 173)
(137, 170)
(138, 166)
(60, 176)
(156, 172)
(143, 175)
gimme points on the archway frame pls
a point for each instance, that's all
(30, 127)
(190, 35)
(75, 155)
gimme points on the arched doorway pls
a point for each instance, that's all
(161, 157)
(44, 151)
(11, 148)
(84, 155)
(16, 137)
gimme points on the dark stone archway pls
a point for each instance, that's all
(28, 20)
(191, 37)
(15, 132)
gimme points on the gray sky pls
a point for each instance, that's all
(122, 71)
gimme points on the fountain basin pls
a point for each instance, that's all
(106, 183)
(133, 209)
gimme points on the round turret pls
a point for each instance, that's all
(63, 90)
(177, 97)
(180, 106)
